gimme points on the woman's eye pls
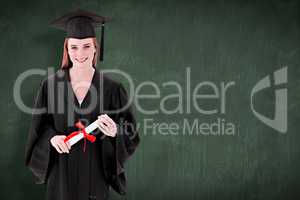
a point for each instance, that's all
(86, 47)
(73, 47)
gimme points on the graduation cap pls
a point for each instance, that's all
(81, 24)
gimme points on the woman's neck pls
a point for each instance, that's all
(81, 73)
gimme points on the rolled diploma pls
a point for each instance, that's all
(88, 130)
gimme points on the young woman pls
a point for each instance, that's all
(79, 92)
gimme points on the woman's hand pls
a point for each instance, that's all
(108, 126)
(58, 143)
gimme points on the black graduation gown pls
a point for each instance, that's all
(80, 175)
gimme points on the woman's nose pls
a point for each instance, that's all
(80, 53)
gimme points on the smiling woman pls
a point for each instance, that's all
(76, 52)
(69, 172)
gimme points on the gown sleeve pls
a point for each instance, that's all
(124, 144)
(38, 147)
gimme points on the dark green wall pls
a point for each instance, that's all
(156, 40)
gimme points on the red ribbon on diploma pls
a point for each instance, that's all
(86, 136)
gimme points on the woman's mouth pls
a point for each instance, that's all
(82, 60)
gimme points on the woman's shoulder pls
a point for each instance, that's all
(60, 75)
(49, 78)
(108, 81)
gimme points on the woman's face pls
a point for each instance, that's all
(81, 51)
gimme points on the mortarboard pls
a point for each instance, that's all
(81, 24)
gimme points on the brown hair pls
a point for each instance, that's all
(67, 63)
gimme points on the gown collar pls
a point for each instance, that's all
(70, 90)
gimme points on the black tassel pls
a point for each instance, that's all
(102, 42)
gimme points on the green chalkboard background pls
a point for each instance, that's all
(159, 40)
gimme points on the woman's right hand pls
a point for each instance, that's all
(58, 143)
